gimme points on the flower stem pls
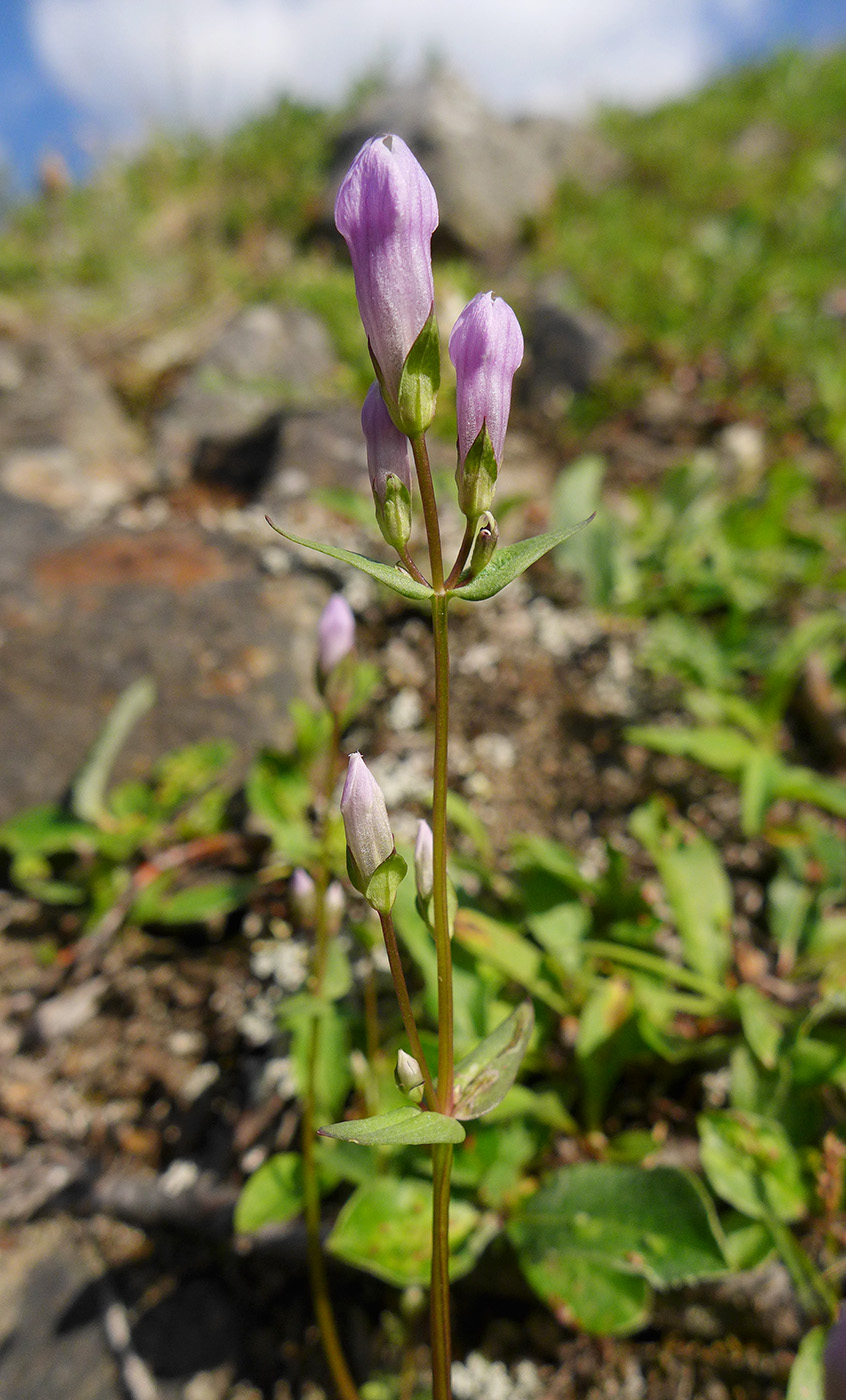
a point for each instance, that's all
(441, 1154)
(408, 1021)
(441, 1331)
(321, 1300)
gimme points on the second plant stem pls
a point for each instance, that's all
(321, 1301)
(441, 1155)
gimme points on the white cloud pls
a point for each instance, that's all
(207, 63)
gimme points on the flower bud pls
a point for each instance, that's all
(302, 896)
(334, 905)
(486, 347)
(386, 211)
(408, 1076)
(424, 867)
(484, 544)
(368, 830)
(335, 634)
(390, 469)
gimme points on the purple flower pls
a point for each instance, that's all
(335, 634)
(486, 347)
(424, 855)
(388, 450)
(387, 211)
(302, 894)
(365, 815)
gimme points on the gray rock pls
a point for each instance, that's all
(64, 440)
(82, 615)
(489, 176)
(567, 350)
(222, 425)
(51, 1341)
(318, 449)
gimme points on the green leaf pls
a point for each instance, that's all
(697, 887)
(195, 905)
(88, 795)
(761, 1024)
(390, 574)
(402, 1127)
(751, 1163)
(716, 746)
(381, 888)
(483, 1078)
(595, 1236)
(511, 953)
(385, 1228)
(272, 1195)
(512, 561)
(44, 831)
(807, 1379)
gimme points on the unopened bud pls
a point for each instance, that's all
(389, 466)
(368, 830)
(484, 544)
(335, 633)
(486, 347)
(302, 897)
(335, 904)
(424, 870)
(408, 1076)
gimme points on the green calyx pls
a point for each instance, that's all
(417, 395)
(476, 476)
(393, 516)
(380, 890)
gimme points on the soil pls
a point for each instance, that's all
(130, 1117)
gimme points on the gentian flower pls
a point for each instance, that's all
(335, 634)
(424, 856)
(389, 466)
(486, 347)
(365, 815)
(386, 211)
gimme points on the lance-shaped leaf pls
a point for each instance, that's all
(390, 574)
(512, 561)
(404, 1127)
(483, 1078)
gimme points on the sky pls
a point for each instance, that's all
(79, 77)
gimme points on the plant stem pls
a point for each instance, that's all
(463, 554)
(430, 510)
(321, 1301)
(441, 1332)
(408, 1021)
(441, 1154)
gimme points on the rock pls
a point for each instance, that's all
(51, 1339)
(316, 449)
(61, 1015)
(490, 175)
(222, 425)
(84, 614)
(566, 350)
(573, 152)
(64, 440)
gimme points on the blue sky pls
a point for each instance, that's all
(79, 76)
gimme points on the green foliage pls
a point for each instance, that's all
(385, 1228)
(594, 1238)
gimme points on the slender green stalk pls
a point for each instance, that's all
(408, 1021)
(441, 1155)
(321, 1300)
(441, 1330)
(463, 554)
